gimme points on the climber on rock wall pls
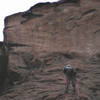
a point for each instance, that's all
(70, 75)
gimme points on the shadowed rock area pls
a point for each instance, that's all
(3, 65)
(46, 37)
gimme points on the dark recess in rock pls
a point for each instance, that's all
(3, 65)
(29, 15)
(88, 12)
(31, 61)
(12, 78)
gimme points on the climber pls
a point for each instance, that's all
(70, 75)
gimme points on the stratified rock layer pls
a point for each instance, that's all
(45, 38)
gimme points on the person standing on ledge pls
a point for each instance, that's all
(70, 75)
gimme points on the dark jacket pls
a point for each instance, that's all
(70, 73)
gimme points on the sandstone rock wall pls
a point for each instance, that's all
(56, 28)
(52, 28)
(42, 40)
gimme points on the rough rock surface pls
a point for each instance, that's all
(3, 65)
(45, 38)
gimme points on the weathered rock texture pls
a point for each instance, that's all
(3, 65)
(45, 38)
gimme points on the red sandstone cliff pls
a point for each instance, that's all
(45, 38)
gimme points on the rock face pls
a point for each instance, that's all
(3, 64)
(53, 28)
(45, 38)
